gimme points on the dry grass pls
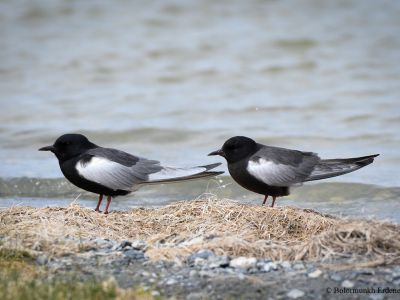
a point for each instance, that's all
(225, 226)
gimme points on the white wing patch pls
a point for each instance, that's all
(271, 173)
(169, 173)
(107, 173)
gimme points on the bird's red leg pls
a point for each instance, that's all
(108, 204)
(265, 199)
(273, 201)
(98, 203)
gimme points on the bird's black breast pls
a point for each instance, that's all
(239, 173)
(70, 172)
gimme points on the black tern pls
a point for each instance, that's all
(271, 171)
(112, 172)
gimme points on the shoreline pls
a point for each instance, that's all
(210, 248)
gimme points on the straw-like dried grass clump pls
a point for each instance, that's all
(225, 226)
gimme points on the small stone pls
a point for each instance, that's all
(146, 274)
(295, 293)
(42, 260)
(155, 293)
(205, 274)
(376, 296)
(198, 262)
(170, 281)
(243, 262)
(193, 241)
(395, 277)
(122, 245)
(193, 273)
(315, 274)
(336, 277)
(252, 271)
(347, 284)
(218, 262)
(204, 253)
(298, 266)
(273, 266)
(286, 265)
(266, 268)
(139, 245)
(196, 296)
(103, 243)
(134, 254)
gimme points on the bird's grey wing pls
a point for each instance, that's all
(281, 167)
(116, 169)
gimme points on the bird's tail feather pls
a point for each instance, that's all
(334, 167)
(169, 174)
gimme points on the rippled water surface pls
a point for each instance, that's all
(171, 80)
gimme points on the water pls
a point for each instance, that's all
(172, 80)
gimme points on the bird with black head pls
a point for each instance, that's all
(271, 171)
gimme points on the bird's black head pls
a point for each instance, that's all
(236, 148)
(69, 145)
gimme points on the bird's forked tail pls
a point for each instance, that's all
(334, 167)
(170, 174)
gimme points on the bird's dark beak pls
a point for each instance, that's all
(48, 148)
(218, 152)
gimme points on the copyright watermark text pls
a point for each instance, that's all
(367, 290)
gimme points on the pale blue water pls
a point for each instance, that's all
(171, 80)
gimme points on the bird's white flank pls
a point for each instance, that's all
(107, 173)
(271, 173)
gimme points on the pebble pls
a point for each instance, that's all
(336, 277)
(134, 254)
(205, 274)
(42, 260)
(243, 262)
(218, 262)
(295, 293)
(121, 245)
(266, 268)
(204, 253)
(298, 266)
(171, 281)
(347, 284)
(376, 296)
(146, 274)
(155, 293)
(139, 245)
(198, 262)
(272, 265)
(103, 243)
(286, 265)
(315, 274)
(196, 296)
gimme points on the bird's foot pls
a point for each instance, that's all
(265, 200)
(98, 210)
(107, 205)
(273, 201)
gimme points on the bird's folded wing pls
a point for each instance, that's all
(115, 169)
(281, 167)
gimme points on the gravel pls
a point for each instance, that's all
(206, 275)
